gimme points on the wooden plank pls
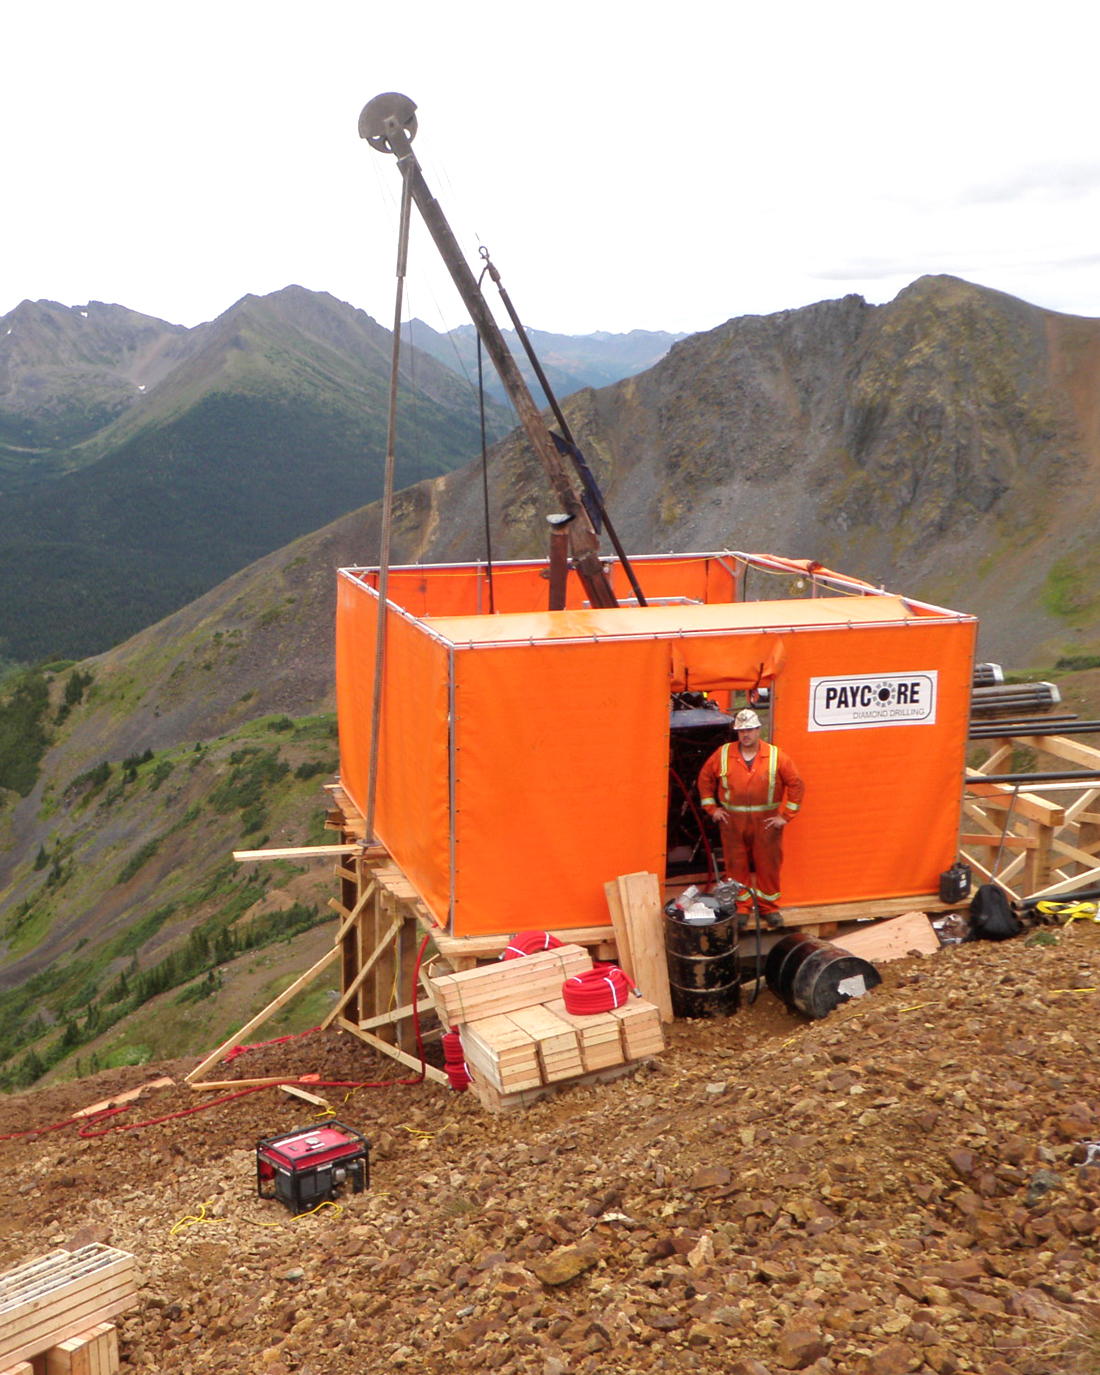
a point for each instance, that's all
(1067, 885)
(165, 1082)
(641, 899)
(876, 908)
(299, 852)
(620, 927)
(270, 1080)
(261, 1017)
(315, 1099)
(437, 1076)
(891, 940)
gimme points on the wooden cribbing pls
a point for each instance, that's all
(644, 924)
(474, 994)
(46, 1301)
(94, 1352)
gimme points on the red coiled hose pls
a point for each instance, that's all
(596, 990)
(454, 1061)
(529, 943)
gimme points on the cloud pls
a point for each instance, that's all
(1041, 181)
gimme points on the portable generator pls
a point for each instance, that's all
(307, 1167)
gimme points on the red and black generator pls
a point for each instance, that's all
(307, 1167)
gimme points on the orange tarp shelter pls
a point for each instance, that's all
(524, 755)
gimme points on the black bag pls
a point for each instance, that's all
(991, 915)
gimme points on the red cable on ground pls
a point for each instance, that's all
(596, 990)
(278, 1041)
(529, 943)
(310, 1079)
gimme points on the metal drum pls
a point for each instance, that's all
(704, 966)
(813, 976)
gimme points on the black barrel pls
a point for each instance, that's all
(704, 967)
(813, 976)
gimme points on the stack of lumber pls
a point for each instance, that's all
(599, 1036)
(473, 994)
(503, 1052)
(519, 1040)
(640, 1023)
(64, 1295)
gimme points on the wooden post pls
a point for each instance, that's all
(350, 890)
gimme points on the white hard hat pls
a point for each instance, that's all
(746, 720)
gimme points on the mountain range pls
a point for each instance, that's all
(945, 444)
(142, 462)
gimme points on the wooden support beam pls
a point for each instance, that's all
(299, 852)
(1063, 747)
(1067, 885)
(364, 970)
(268, 1081)
(394, 1052)
(261, 1017)
(1010, 842)
(1028, 805)
(397, 1015)
(350, 918)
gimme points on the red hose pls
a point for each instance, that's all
(529, 943)
(455, 1061)
(596, 990)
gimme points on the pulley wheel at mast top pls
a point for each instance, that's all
(387, 111)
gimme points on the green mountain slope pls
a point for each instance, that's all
(271, 423)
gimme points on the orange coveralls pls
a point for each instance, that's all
(750, 794)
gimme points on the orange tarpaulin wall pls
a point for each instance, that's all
(881, 813)
(524, 756)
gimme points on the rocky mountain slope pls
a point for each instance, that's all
(945, 444)
(899, 1188)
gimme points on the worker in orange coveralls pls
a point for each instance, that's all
(752, 789)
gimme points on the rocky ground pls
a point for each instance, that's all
(900, 1187)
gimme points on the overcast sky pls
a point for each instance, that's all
(627, 165)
